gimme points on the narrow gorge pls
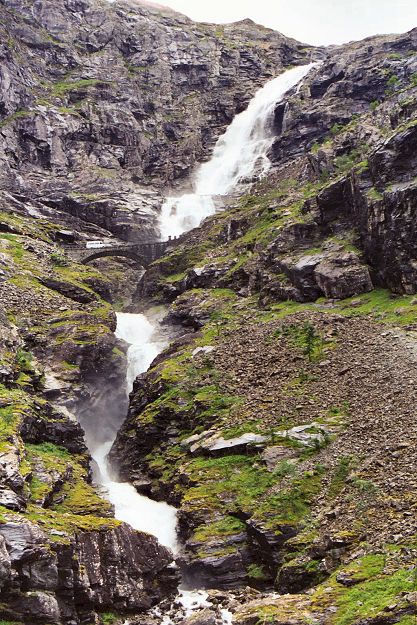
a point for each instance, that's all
(208, 321)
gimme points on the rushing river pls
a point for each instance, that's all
(238, 154)
(140, 512)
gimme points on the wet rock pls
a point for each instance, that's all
(69, 290)
(110, 567)
(9, 499)
(309, 435)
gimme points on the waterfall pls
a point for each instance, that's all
(239, 152)
(142, 513)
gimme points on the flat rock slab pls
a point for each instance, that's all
(216, 445)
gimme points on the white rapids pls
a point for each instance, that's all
(239, 152)
(142, 513)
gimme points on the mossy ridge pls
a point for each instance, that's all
(227, 526)
(17, 403)
(373, 590)
(379, 304)
(20, 226)
(80, 497)
(51, 521)
(265, 213)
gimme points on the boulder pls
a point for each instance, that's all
(343, 276)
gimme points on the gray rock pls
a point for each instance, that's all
(202, 617)
(343, 276)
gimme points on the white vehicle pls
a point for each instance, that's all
(96, 244)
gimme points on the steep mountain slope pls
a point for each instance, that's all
(283, 427)
(102, 103)
(282, 423)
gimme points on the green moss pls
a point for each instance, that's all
(59, 260)
(257, 572)
(337, 129)
(241, 428)
(239, 478)
(77, 495)
(64, 87)
(67, 522)
(15, 247)
(176, 277)
(408, 619)
(14, 116)
(108, 618)
(292, 504)
(49, 451)
(340, 474)
(81, 499)
(374, 194)
(368, 599)
(305, 337)
(228, 526)
(382, 305)
(68, 366)
(11, 414)
(393, 80)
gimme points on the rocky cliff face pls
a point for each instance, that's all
(104, 103)
(100, 106)
(271, 423)
(64, 559)
(281, 424)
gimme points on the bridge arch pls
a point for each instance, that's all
(127, 253)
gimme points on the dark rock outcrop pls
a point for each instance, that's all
(69, 579)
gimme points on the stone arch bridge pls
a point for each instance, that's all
(142, 253)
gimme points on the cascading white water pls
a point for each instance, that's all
(140, 512)
(238, 153)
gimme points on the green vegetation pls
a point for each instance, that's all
(108, 618)
(393, 80)
(341, 473)
(256, 572)
(228, 526)
(64, 87)
(305, 337)
(291, 505)
(78, 497)
(337, 129)
(374, 194)
(14, 116)
(368, 599)
(347, 161)
(59, 259)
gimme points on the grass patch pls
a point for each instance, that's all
(228, 526)
(64, 87)
(368, 599)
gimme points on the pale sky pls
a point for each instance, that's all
(310, 21)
